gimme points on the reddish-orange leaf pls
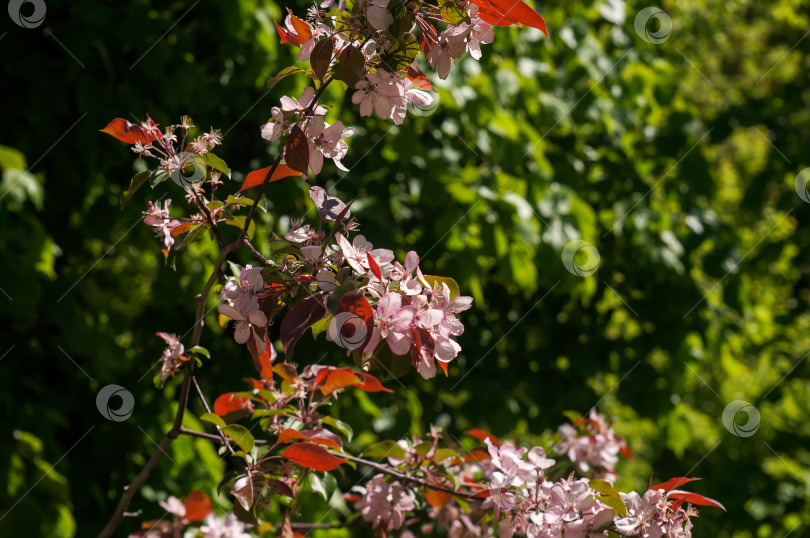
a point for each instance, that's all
(256, 178)
(506, 12)
(312, 456)
(127, 132)
(483, 494)
(477, 455)
(438, 499)
(338, 379)
(286, 37)
(443, 366)
(266, 360)
(480, 434)
(319, 436)
(373, 264)
(694, 498)
(673, 483)
(198, 505)
(286, 372)
(301, 28)
(370, 383)
(227, 403)
(420, 81)
(626, 452)
(182, 227)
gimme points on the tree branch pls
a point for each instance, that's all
(174, 432)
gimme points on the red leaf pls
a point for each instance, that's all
(483, 494)
(481, 435)
(694, 498)
(301, 28)
(438, 499)
(338, 379)
(428, 37)
(296, 152)
(374, 267)
(420, 81)
(227, 403)
(443, 366)
(321, 57)
(300, 318)
(266, 359)
(198, 505)
(478, 455)
(626, 452)
(356, 303)
(673, 483)
(312, 456)
(256, 178)
(319, 436)
(286, 37)
(370, 383)
(182, 227)
(126, 131)
(506, 12)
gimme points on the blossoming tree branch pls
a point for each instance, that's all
(325, 278)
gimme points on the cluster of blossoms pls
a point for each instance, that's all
(381, 300)
(355, 44)
(196, 511)
(384, 504)
(172, 152)
(592, 446)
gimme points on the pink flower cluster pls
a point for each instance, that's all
(384, 504)
(592, 446)
(323, 139)
(387, 95)
(158, 217)
(654, 515)
(171, 151)
(454, 41)
(242, 298)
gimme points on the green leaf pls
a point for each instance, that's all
(320, 326)
(213, 419)
(286, 72)
(201, 350)
(455, 291)
(239, 200)
(241, 436)
(385, 449)
(157, 177)
(340, 426)
(400, 54)
(444, 453)
(212, 161)
(573, 416)
(453, 13)
(138, 181)
(610, 496)
(324, 486)
(238, 221)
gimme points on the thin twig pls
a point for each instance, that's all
(208, 410)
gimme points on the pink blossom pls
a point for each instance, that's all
(393, 321)
(451, 46)
(356, 252)
(227, 527)
(159, 219)
(326, 141)
(384, 504)
(329, 207)
(243, 294)
(172, 356)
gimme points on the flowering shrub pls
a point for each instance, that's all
(325, 277)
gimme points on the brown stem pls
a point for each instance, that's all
(171, 435)
(259, 256)
(405, 477)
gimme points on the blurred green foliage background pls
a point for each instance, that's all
(677, 160)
